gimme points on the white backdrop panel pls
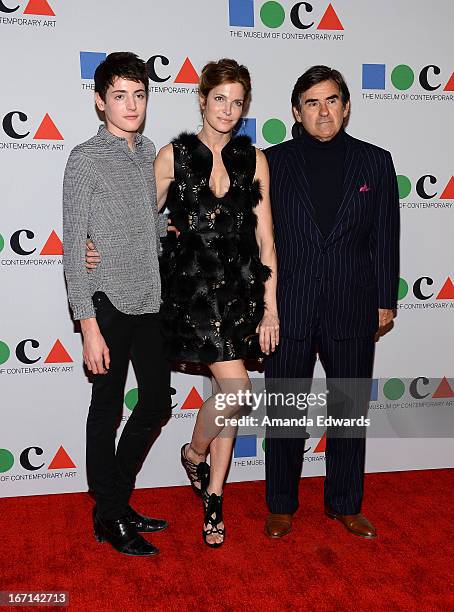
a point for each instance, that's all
(44, 391)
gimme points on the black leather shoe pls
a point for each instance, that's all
(145, 524)
(123, 536)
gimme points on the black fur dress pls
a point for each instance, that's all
(212, 277)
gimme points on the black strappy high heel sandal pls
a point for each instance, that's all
(196, 472)
(213, 517)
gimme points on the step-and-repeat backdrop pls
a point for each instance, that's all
(397, 58)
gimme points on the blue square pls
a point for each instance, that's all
(248, 127)
(245, 446)
(241, 13)
(374, 390)
(89, 61)
(374, 76)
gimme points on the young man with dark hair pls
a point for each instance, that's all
(109, 195)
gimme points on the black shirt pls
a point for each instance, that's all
(325, 173)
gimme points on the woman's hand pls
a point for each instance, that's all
(268, 330)
(268, 327)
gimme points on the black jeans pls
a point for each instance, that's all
(111, 472)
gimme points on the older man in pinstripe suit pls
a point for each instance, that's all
(336, 216)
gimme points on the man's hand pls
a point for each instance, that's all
(385, 320)
(385, 317)
(96, 352)
(92, 257)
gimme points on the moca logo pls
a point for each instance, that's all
(31, 459)
(242, 13)
(36, 14)
(273, 130)
(157, 66)
(22, 243)
(160, 70)
(193, 400)
(15, 125)
(33, 7)
(26, 352)
(402, 77)
(425, 187)
(423, 289)
(419, 388)
(246, 446)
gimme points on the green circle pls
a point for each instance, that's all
(131, 399)
(274, 131)
(2, 242)
(272, 14)
(402, 77)
(263, 444)
(393, 388)
(4, 352)
(403, 289)
(6, 460)
(403, 182)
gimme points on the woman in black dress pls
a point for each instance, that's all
(219, 274)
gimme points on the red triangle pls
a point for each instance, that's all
(53, 245)
(447, 291)
(450, 84)
(39, 7)
(58, 354)
(448, 192)
(193, 402)
(330, 20)
(61, 460)
(444, 389)
(321, 446)
(47, 130)
(187, 73)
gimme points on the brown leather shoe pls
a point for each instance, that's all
(354, 523)
(278, 525)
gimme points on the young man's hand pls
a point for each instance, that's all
(96, 352)
(172, 228)
(92, 257)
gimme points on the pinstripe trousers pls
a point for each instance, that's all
(343, 489)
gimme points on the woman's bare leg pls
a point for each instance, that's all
(220, 452)
(228, 377)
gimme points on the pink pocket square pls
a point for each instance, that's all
(364, 187)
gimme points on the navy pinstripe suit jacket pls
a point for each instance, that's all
(355, 269)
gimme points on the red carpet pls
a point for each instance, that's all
(47, 544)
